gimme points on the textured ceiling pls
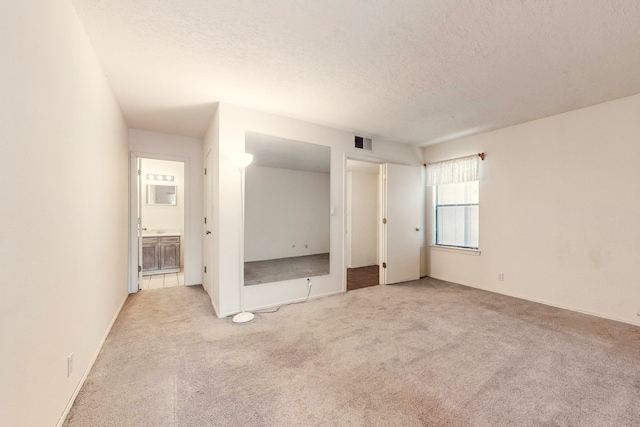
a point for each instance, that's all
(413, 71)
(274, 152)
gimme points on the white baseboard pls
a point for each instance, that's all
(293, 301)
(215, 307)
(571, 308)
(544, 302)
(63, 417)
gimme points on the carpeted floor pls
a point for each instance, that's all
(426, 353)
(276, 270)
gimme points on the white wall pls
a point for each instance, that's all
(362, 229)
(284, 211)
(162, 217)
(226, 134)
(63, 216)
(211, 149)
(558, 211)
(188, 150)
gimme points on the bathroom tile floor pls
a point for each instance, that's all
(158, 281)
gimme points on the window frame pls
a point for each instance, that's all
(435, 220)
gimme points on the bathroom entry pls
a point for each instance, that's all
(161, 204)
(363, 212)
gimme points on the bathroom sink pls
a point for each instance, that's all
(155, 233)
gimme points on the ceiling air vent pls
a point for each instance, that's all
(362, 143)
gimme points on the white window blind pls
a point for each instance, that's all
(457, 208)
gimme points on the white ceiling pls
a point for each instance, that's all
(413, 71)
(274, 152)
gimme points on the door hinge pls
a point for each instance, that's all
(205, 219)
(139, 268)
(205, 268)
(205, 171)
(384, 265)
(139, 172)
(384, 220)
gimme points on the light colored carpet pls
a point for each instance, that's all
(276, 270)
(427, 353)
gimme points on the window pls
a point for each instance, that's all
(457, 202)
(457, 214)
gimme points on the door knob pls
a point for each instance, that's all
(208, 232)
(417, 229)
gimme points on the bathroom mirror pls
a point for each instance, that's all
(161, 194)
(286, 209)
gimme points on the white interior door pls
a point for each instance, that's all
(208, 242)
(401, 233)
(139, 219)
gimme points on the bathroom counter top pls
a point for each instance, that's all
(161, 235)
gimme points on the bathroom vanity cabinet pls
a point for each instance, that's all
(160, 254)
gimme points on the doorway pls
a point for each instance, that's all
(158, 242)
(383, 225)
(363, 213)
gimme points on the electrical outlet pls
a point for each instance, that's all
(501, 277)
(69, 364)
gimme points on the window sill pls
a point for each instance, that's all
(472, 252)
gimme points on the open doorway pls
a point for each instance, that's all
(383, 225)
(363, 213)
(161, 191)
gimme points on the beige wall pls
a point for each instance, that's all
(63, 216)
(284, 211)
(362, 219)
(559, 211)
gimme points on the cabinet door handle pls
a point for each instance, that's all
(208, 232)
